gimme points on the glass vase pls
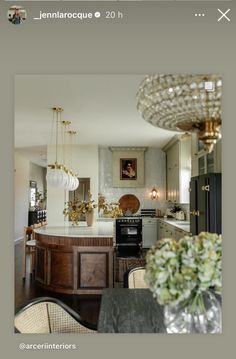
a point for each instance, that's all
(201, 314)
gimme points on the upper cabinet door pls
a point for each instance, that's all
(178, 164)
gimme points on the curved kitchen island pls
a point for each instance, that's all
(75, 260)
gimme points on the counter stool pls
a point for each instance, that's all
(29, 249)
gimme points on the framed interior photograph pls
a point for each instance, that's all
(128, 166)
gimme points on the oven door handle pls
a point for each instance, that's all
(127, 244)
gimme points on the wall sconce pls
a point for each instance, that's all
(154, 193)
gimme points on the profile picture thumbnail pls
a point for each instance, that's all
(16, 14)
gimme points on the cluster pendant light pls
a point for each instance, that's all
(186, 103)
(58, 173)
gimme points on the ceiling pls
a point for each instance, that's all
(102, 108)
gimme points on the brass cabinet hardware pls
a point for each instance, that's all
(195, 213)
(206, 188)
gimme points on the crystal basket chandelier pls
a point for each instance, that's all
(186, 103)
(58, 174)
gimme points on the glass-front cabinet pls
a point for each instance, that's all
(206, 161)
(202, 161)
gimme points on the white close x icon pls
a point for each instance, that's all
(223, 15)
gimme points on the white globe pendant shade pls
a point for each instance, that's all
(70, 182)
(67, 181)
(76, 184)
(56, 177)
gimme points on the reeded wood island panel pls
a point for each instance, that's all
(75, 260)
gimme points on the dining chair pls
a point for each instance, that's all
(50, 315)
(30, 246)
(134, 278)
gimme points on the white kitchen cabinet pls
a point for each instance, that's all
(160, 230)
(167, 230)
(172, 172)
(178, 173)
(179, 233)
(149, 232)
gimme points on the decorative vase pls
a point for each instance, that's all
(201, 314)
(89, 218)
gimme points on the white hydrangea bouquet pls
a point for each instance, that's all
(180, 271)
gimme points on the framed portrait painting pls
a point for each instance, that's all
(128, 166)
(128, 169)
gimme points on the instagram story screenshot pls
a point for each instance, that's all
(117, 178)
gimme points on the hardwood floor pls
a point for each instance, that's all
(25, 290)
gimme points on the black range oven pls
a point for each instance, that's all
(128, 237)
